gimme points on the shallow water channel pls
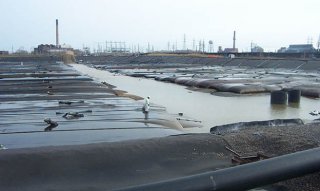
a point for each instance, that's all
(211, 110)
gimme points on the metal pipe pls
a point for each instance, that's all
(245, 176)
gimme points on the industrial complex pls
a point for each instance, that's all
(120, 47)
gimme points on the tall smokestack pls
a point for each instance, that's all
(57, 33)
(234, 40)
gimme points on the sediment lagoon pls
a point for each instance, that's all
(197, 105)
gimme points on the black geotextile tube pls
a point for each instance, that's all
(243, 177)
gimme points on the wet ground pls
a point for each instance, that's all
(85, 111)
(205, 104)
(31, 92)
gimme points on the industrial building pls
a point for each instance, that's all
(4, 52)
(44, 48)
(230, 50)
(53, 49)
(298, 48)
(255, 48)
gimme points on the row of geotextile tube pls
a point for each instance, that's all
(235, 86)
(240, 86)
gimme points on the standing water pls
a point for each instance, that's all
(209, 109)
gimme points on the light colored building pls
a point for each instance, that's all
(301, 48)
(257, 49)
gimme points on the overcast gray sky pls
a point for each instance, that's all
(271, 24)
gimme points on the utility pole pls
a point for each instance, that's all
(184, 42)
(318, 43)
(234, 40)
(176, 47)
(193, 44)
(203, 46)
(309, 40)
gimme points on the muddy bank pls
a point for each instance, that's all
(223, 129)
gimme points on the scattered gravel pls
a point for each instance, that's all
(276, 141)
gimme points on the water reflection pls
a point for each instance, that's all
(50, 127)
(294, 105)
(52, 124)
(278, 107)
(146, 115)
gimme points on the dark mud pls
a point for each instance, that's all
(33, 91)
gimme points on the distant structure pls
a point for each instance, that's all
(44, 48)
(282, 50)
(117, 47)
(255, 48)
(233, 49)
(50, 49)
(318, 43)
(57, 34)
(230, 50)
(234, 40)
(2, 52)
(184, 42)
(210, 46)
(298, 48)
(301, 48)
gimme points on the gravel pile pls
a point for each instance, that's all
(276, 141)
